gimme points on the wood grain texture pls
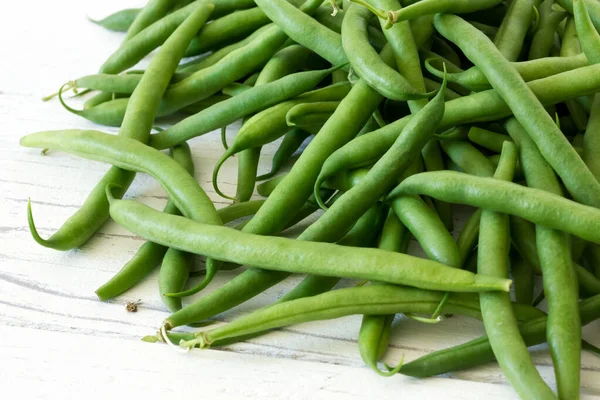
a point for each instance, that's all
(58, 339)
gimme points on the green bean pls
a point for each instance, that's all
(490, 140)
(124, 84)
(494, 159)
(119, 21)
(523, 280)
(149, 38)
(226, 29)
(591, 139)
(149, 254)
(298, 256)
(479, 351)
(543, 39)
(570, 47)
(425, 225)
(289, 145)
(425, 7)
(258, 98)
(270, 124)
(433, 161)
(474, 79)
(589, 38)
(498, 318)
(511, 34)
(560, 283)
(352, 113)
(405, 52)
(305, 30)
(365, 61)
(335, 304)
(137, 124)
(239, 210)
(467, 157)
(373, 340)
(173, 274)
(537, 206)
(152, 12)
(469, 235)
(266, 188)
(526, 107)
(132, 155)
(199, 63)
(246, 177)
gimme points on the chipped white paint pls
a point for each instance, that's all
(58, 340)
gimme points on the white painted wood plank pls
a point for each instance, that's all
(75, 366)
(58, 338)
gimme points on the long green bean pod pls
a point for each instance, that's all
(560, 282)
(500, 323)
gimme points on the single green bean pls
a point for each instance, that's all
(298, 256)
(467, 157)
(173, 275)
(199, 63)
(473, 79)
(119, 21)
(425, 7)
(335, 304)
(537, 206)
(490, 140)
(305, 30)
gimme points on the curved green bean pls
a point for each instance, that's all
(537, 206)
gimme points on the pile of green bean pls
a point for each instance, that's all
(387, 115)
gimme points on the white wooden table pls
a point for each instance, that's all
(58, 340)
